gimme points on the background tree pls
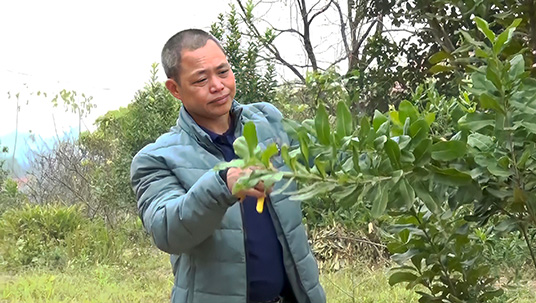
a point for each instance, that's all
(446, 192)
(255, 79)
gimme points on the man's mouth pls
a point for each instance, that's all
(220, 99)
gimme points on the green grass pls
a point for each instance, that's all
(364, 285)
(147, 278)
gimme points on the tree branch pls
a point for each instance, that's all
(306, 34)
(343, 30)
(290, 30)
(323, 10)
(270, 47)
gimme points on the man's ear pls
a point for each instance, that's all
(173, 88)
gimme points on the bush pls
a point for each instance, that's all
(56, 236)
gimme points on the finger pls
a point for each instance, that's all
(259, 186)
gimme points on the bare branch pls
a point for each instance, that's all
(290, 30)
(269, 46)
(323, 10)
(360, 42)
(343, 30)
(337, 61)
(312, 7)
(307, 35)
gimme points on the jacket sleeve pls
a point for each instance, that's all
(176, 219)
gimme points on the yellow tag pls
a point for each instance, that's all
(260, 204)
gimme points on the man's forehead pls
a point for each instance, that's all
(209, 45)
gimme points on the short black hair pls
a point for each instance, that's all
(189, 39)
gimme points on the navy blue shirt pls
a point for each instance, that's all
(265, 270)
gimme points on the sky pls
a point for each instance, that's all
(101, 48)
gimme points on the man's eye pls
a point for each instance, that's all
(223, 72)
(200, 80)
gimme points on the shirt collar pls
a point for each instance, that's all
(229, 133)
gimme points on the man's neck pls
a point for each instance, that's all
(219, 126)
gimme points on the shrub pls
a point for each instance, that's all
(36, 234)
(56, 236)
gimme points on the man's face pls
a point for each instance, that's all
(207, 85)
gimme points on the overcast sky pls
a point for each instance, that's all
(101, 48)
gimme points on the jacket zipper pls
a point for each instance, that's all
(245, 250)
(276, 219)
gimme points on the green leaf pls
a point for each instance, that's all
(481, 84)
(286, 157)
(498, 171)
(515, 23)
(250, 134)
(418, 131)
(406, 156)
(241, 148)
(379, 204)
(529, 151)
(313, 190)
(320, 166)
(450, 176)
(291, 127)
(364, 129)
(492, 74)
(271, 179)
(393, 152)
(502, 40)
(484, 28)
(467, 194)
(345, 125)
(268, 153)
(380, 141)
(470, 39)
(482, 142)
(430, 118)
(281, 189)
(517, 67)
(405, 110)
(378, 120)
(347, 196)
(406, 193)
(489, 101)
(440, 68)
(476, 121)
(481, 53)
(399, 277)
(402, 258)
(232, 163)
(322, 125)
(423, 152)
(424, 194)
(448, 150)
(304, 145)
(438, 57)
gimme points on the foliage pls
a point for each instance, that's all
(438, 186)
(119, 136)
(56, 236)
(10, 196)
(255, 82)
(299, 102)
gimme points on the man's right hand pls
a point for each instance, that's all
(235, 173)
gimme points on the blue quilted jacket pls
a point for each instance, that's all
(189, 212)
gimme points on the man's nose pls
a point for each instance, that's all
(216, 85)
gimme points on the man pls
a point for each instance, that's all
(222, 250)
